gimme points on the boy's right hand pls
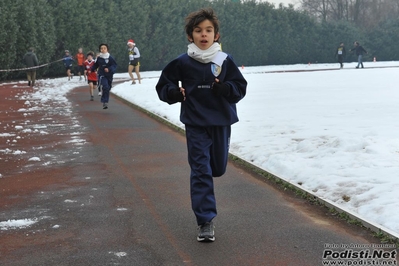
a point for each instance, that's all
(176, 96)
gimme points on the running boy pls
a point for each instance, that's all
(134, 61)
(91, 75)
(106, 67)
(211, 86)
(68, 61)
(98, 78)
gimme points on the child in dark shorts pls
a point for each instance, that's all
(80, 58)
(68, 62)
(91, 75)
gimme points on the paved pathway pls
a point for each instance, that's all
(123, 199)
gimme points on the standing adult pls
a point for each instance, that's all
(359, 50)
(31, 62)
(134, 61)
(341, 53)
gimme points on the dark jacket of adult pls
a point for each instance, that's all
(359, 50)
(30, 59)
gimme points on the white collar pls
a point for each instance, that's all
(105, 56)
(203, 56)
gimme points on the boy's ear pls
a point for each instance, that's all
(217, 36)
(190, 39)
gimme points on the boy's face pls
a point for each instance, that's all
(204, 35)
(103, 49)
(89, 57)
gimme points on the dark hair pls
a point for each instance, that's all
(90, 53)
(99, 47)
(195, 18)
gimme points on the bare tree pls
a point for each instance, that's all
(338, 9)
(365, 13)
(317, 8)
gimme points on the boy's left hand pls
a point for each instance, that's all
(106, 70)
(183, 91)
(219, 88)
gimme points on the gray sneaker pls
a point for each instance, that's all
(105, 106)
(206, 232)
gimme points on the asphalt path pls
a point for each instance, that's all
(124, 200)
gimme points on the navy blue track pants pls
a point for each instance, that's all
(208, 151)
(106, 85)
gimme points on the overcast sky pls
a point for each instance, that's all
(277, 2)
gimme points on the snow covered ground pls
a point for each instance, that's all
(332, 132)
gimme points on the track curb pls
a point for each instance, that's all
(376, 228)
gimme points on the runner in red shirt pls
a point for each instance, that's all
(80, 58)
(91, 75)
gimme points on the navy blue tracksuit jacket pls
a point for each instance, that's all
(105, 78)
(208, 119)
